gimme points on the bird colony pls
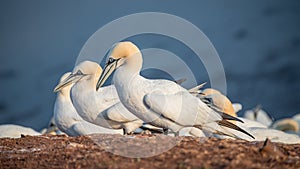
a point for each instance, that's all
(133, 104)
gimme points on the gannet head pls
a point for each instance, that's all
(121, 54)
(65, 88)
(210, 91)
(87, 69)
(219, 100)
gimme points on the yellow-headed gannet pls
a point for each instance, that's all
(162, 103)
(67, 119)
(100, 107)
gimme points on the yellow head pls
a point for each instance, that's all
(210, 91)
(124, 54)
(86, 70)
(123, 50)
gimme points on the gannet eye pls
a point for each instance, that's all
(79, 72)
(110, 60)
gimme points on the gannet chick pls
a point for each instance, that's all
(67, 119)
(162, 103)
(15, 131)
(102, 108)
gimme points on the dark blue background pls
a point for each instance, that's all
(258, 43)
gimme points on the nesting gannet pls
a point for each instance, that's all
(162, 103)
(259, 115)
(216, 100)
(15, 131)
(261, 134)
(67, 119)
(100, 107)
(286, 125)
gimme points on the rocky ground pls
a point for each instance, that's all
(144, 151)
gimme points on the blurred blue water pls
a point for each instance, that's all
(258, 42)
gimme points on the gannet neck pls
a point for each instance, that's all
(87, 82)
(125, 76)
(130, 56)
(133, 63)
(91, 72)
(65, 92)
(125, 56)
(64, 112)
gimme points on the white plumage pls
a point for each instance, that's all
(100, 107)
(67, 119)
(162, 103)
(15, 131)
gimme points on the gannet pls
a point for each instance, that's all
(261, 134)
(67, 119)
(162, 103)
(15, 131)
(100, 107)
(286, 125)
(217, 101)
(259, 115)
(246, 125)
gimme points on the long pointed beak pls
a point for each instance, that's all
(109, 68)
(73, 78)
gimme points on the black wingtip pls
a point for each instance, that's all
(180, 81)
(226, 123)
(229, 117)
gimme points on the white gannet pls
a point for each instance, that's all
(100, 107)
(15, 131)
(259, 115)
(218, 102)
(261, 134)
(162, 103)
(250, 123)
(246, 125)
(288, 125)
(67, 119)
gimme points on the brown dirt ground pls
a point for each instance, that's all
(91, 151)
